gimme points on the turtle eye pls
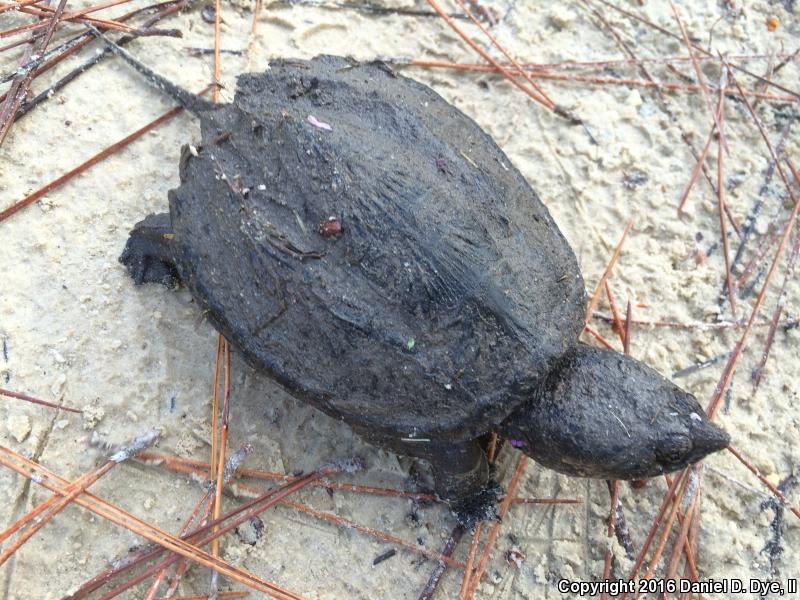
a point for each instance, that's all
(673, 450)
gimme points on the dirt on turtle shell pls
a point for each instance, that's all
(75, 330)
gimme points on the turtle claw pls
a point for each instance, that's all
(148, 269)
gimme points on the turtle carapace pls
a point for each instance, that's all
(369, 247)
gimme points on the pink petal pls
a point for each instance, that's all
(317, 123)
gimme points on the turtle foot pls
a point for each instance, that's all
(147, 253)
(463, 479)
(480, 506)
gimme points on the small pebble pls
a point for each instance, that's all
(207, 13)
(251, 531)
(561, 17)
(19, 426)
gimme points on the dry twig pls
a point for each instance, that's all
(33, 400)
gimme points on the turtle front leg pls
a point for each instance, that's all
(148, 253)
(461, 478)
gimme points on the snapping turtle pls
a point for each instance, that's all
(369, 247)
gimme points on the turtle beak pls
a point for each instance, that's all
(707, 438)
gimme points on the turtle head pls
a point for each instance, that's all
(603, 414)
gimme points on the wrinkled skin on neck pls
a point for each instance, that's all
(602, 414)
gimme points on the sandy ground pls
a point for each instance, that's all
(74, 329)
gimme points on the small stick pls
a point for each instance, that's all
(701, 80)
(34, 471)
(386, 537)
(215, 408)
(492, 450)
(468, 570)
(105, 23)
(776, 315)
(700, 163)
(99, 157)
(220, 596)
(614, 487)
(698, 166)
(120, 565)
(646, 83)
(53, 505)
(449, 547)
(487, 57)
(245, 512)
(716, 325)
(221, 462)
(750, 221)
(364, 7)
(86, 10)
(52, 57)
(694, 535)
(198, 467)
(598, 337)
(71, 16)
(217, 10)
(654, 527)
(700, 365)
(19, 86)
(775, 491)
(616, 62)
(621, 530)
(203, 505)
(686, 488)
(16, 5)
(721, 197)
(682, 541)
(510, 58)
(33, 400)
(738, 483)
(606, 273)
(621, 331)
(191, 102)
(663, 101)
(727, 374)
(256, 13)
(490, 540)
(628, 321)
(518, 500)
(696, 47)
